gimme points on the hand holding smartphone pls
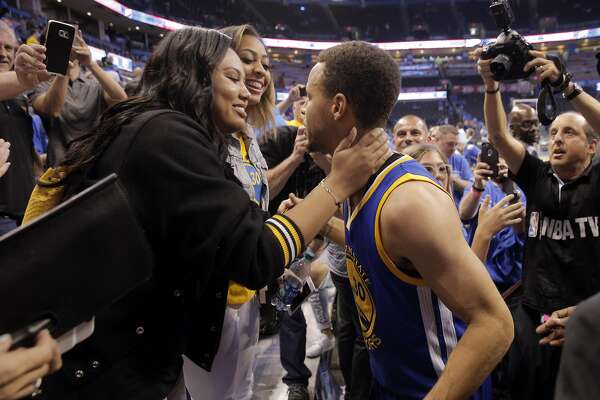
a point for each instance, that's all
(302, 91)
(26, 337)
(59, 43)
(490, 156)
(80, 50)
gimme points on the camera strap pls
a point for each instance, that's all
(547, 107)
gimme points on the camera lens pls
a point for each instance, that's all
(500, 66)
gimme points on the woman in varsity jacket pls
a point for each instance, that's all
(168, 147)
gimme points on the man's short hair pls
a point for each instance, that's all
(443, 130)
(4, 27)
(416, 118)
(590, 133)
(523, 107)
(519, 108)
(367, 76)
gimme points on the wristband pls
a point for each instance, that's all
(493, 91)
(476, 189)
(562, 84)
(330, 192)
(476, 194)
(576, 92)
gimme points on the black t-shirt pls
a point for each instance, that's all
(562, 251)
(275, 149)
(16, 185)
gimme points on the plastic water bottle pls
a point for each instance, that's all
(292, 282)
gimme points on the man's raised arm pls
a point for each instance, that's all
(495, 119)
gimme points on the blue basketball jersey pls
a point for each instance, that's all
(408, 331)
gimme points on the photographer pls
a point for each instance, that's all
(560, 266)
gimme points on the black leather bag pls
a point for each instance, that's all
(73, 261)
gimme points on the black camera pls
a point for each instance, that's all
(510, 53)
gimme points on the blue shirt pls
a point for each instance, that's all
(460, 167)
(279, 121)
(471, 153)
(504, 261)
(40, 139)
(407, 329)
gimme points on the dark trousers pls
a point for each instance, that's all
(353, 355)
(292, 348)
(529, 370)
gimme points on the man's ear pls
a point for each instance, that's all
(593, 146)
(339, 106)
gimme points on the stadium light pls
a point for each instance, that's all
(405, 96)
(164, 23)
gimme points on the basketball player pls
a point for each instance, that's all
(433, 322)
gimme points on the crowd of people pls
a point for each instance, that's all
(454, 278)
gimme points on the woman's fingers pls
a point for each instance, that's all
(505, 200)
(23, 382)
(486, 203)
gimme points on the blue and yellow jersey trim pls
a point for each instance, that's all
(407, 177)
(243, 147)
(373, 188)
(387, 260)
(288, 236)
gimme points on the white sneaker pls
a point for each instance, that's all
(325, 343)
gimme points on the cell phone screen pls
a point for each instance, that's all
(303, 91)
(59, 41)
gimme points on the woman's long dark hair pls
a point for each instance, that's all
(177, 76)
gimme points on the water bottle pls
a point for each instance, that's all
(292, 282)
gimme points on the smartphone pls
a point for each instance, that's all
(59, 41)
(489, 155)
(516, 197)
(307, 289)
(26, 337)
(302, 91)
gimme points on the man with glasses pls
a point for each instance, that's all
(525, 126)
